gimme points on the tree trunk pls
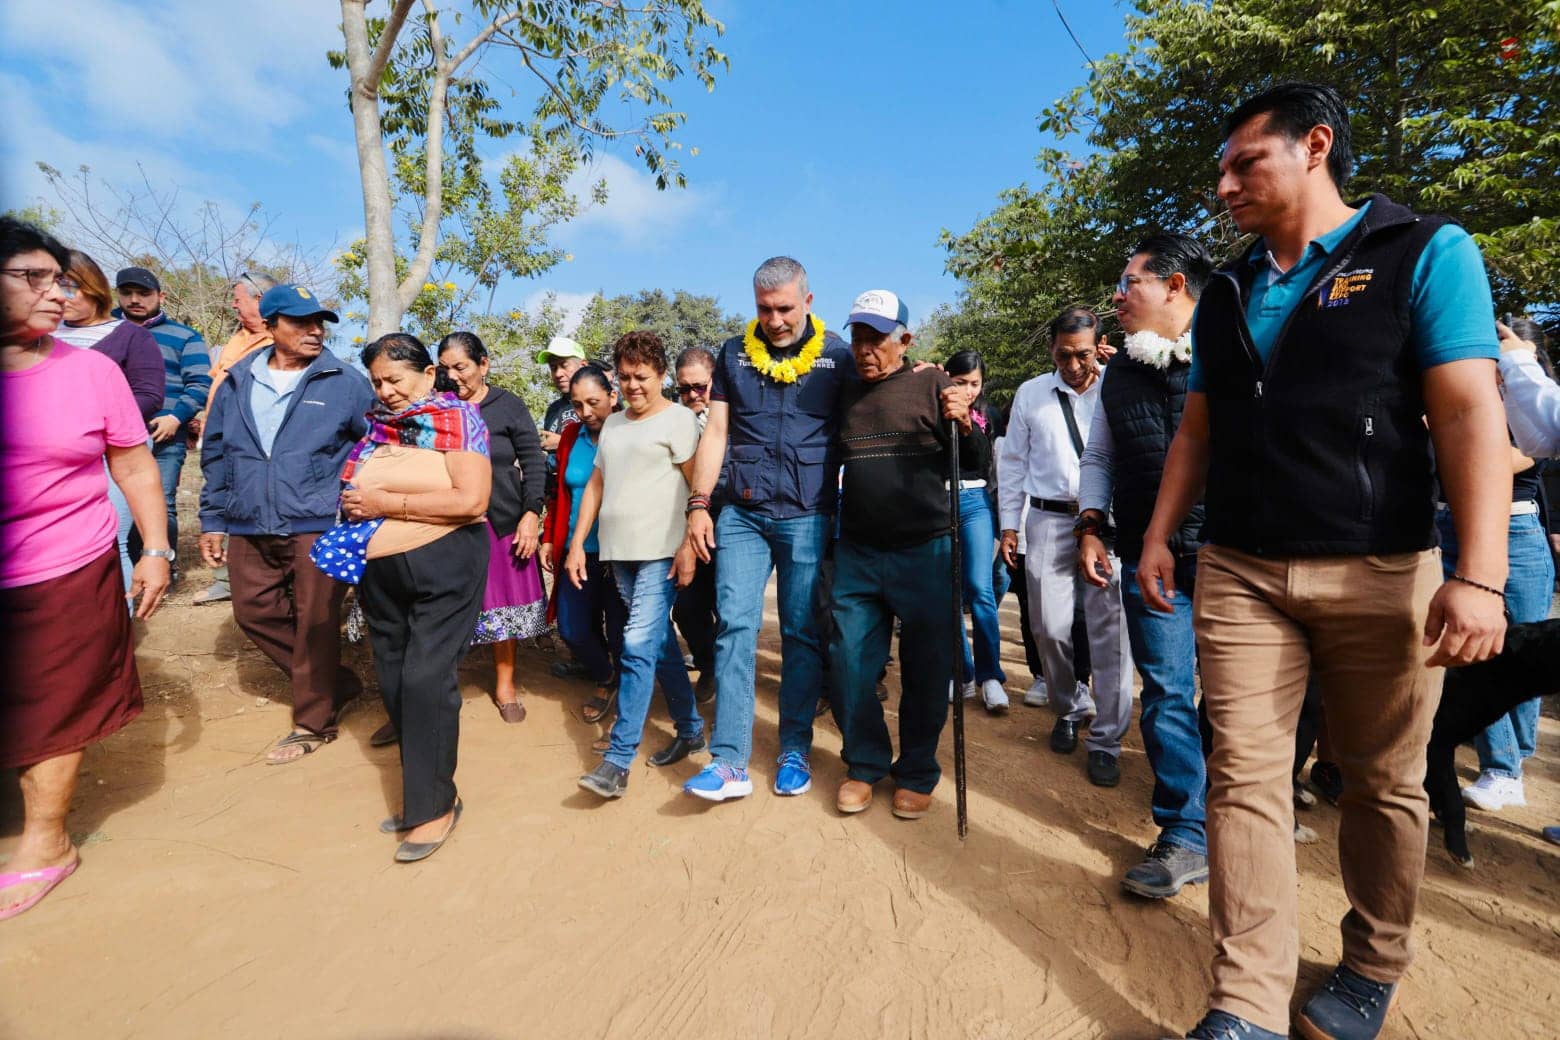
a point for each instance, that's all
(384, 300)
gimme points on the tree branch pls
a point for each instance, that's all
(381, 58)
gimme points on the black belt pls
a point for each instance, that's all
(1051, 505)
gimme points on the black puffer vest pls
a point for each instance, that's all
(1143, 406)
(1323, 450)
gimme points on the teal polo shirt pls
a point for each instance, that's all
(1452, 311)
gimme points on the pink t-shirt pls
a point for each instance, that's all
(56, 421)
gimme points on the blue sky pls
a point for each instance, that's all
(846, 134)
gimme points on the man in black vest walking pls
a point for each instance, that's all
(1318, 356)
(1141, 399)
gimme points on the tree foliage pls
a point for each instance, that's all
(427, 86)
(682, 320)
(1453, 111)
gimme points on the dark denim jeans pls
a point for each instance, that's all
(591, 620)
(871, 588)
(1165, 652)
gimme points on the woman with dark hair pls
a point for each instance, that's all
(70, 666)
(978, 538)
(639, 490)
(90, 324)
(513, 604)
(416, 490)
(590, 615)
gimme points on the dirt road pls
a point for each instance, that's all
(219, 897)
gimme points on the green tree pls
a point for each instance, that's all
(1452, 112)
(426, 97)
(681, 320)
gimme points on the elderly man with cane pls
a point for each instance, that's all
(894, 557)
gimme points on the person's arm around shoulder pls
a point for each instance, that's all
(1532, 398)
(1185, 476)
(707, 461)
(1466, 622)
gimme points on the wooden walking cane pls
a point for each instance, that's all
(958, 629)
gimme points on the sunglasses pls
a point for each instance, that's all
(693, 388)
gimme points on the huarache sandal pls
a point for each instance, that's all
(49, 876)
(310, 742)
(512, 712)
(599, 707)
(412, 851)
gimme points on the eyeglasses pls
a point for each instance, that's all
(1127, 281)
(42, 279)
(693, 388)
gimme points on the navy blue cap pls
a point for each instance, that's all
(139, 277)
(294, 301)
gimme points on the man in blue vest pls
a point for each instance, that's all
(1326, 359)
(1141, 398)
(769, 441)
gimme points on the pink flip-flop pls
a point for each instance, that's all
(51, 876)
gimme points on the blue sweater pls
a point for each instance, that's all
(186, 366)
(294, 488)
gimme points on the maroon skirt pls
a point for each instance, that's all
(70, 665)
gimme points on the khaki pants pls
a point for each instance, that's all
(1263, 624)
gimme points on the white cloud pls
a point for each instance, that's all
(636, 210)
(572, 303)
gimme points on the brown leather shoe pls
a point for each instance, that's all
(853, 796)
(911, 805)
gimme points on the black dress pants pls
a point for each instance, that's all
(422, 607)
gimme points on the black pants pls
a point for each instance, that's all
(422, 607)
(1080, 634)
(694, 613)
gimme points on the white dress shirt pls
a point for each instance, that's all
(1038, 459)
(1532, 404)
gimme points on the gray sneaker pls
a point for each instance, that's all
(607, 780)
(1165, 870)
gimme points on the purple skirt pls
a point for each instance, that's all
(513, 604)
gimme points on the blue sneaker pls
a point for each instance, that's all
(1347, 1007)
(794, 776)
(718, 781)
(1221, 1025)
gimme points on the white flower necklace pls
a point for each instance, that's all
(1154, 350)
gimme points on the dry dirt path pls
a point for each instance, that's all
(219, 897)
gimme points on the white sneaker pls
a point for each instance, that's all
(1084, 696)
(994, 696)
(1493, 793)
(970, 690)
(1036, 696)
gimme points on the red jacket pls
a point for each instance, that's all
(555, 528)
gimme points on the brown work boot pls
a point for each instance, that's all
(853, 796)
(911, 805)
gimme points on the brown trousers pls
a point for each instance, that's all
(1263, 625)
(292, 611)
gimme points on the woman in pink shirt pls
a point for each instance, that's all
(70, 663)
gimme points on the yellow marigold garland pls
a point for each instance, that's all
(786, 370)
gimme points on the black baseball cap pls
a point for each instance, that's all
(139, 277)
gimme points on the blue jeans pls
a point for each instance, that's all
(1530, 582)
(650, 652)
(1165, 652)
(170, 463)
(871, 588)
(977, 536)
(591, 619)
(751, 545)
(126, 524)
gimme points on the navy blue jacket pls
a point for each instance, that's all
(295, 489)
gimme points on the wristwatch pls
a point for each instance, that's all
(1089, 522)
(161, 554)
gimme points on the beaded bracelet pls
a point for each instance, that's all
(696, 502)
(1479, 585)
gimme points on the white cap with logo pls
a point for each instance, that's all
(879, 309)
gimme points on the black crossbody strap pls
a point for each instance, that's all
(1072, 423)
